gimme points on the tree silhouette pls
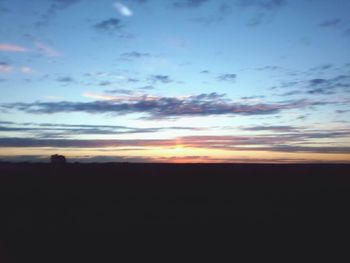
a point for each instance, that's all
(57, 159)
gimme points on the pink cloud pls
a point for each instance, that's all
(4, 68)
(11, 48)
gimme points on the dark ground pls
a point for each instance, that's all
(147, 208)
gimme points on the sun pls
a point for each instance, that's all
(179, 148)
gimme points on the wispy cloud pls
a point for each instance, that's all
(331, 23)
(109, 25)
(4, 10)
(27, 70)
(11, 48)
(189, 3)
(271, 128)
(333, 84)
(165, 79)
(65, 79)
(227, 77)
(263, 4)
(162, 107)
(5, 68)
(329, 85)
(120, 91)
(134, 55)
(322, 67)
(227, 143)
(55, 7)
(123, 9)
(139, 1)
(59, 130)
(47, 50)
(264, 9)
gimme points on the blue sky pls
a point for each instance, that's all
(176, 80)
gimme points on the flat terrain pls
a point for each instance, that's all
(186, 200)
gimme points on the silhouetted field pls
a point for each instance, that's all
(187, 201)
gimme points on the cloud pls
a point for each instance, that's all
(277, 142)
(165, 79)
(189, 3)
(47, 50)
(54, 131)
(24, 158)
(315, 82)
(69, 130)
(264, 9)
(326, 86)
(98, 96)
(268, 68)
(208, 20)
(4, 10)
(123, 9)
(139, 1)
(32, 142)
(331, 23)
(5, 67)
(271, 128)
(342, 111)
(172, 159)
(62, 4)
(270, 143)
(27, 70)
(161, 107)
(55, 7)
(330, 85)
(105, 83)
(111, 158)
(120, 91)
(225, 8)
(308, 149)
(134, 55)
(322, 67)
(148, 87)
(11, 48)
(132, 80)
(109, 25)
(227, 77)
(283, 138)
(65, 79)
(347, 32)
(263, 4)
(79, 159)
(252, 97)
(7, 122)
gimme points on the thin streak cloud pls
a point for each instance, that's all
(11, 48)
(123, 9)
(47, 50)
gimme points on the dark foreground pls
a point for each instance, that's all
(193, 206)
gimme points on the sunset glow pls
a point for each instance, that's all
(238, 81)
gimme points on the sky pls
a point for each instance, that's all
(238, 81)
